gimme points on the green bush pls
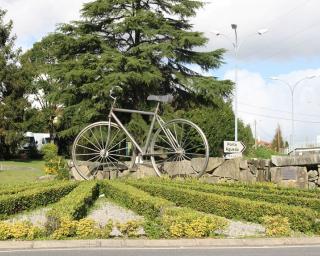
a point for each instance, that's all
(30, 199)
(57, 166)
(49, 151)
(74, 206)
(262, 153)
(54, 164)
(301, 219)
(312, 203)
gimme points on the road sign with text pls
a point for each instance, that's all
(231, 147)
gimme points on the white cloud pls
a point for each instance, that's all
(293, 25)
(35, 18)
(269, 102)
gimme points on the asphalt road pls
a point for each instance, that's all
(235, 251)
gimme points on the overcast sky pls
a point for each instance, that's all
(290, 51)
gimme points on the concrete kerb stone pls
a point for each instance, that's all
(145, 243)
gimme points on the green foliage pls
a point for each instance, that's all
(13, 105)
(301, 219)
(49, 151)
(13, 189)
(146, 48)
(55, 165)
(163, 218)
(262, 152)
(216, 123)
(74, 205)
(271, 188)
(243, 192)
(135, 199)
(276, 226)
(30, 199)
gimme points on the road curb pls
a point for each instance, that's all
(165, 243)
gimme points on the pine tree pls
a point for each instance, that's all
(144, 46)
(277, 143)
(12, 89)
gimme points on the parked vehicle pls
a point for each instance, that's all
(35, 140)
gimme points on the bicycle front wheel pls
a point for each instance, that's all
(179, 148)
(102, 147)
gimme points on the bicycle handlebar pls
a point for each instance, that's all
(115, 90)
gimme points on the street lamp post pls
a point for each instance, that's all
(292, 89)
(236, 46)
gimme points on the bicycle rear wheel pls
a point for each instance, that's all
(102, 147)
(180, 148)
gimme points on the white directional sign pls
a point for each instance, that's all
(233, 155)
(230, 147)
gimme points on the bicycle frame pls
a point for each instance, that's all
(156, 118)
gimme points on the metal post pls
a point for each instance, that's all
(236, 48)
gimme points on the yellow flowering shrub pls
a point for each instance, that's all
(276, 225)
(192, 224)
(19, 230)
(130, 228)
(67, 228)
(86, 228)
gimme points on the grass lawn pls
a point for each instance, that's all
(22, 171)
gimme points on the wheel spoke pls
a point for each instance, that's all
(79, 145)
(117, 144)
(94, 136)
(91, 142)
(189, 142)
(193, 147)
(87, 154)
(115, 150)
(113, 138)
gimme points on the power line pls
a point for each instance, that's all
(281, 118)
(276, 110)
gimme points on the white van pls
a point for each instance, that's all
(35, 140)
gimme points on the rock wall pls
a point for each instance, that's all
(295, 171)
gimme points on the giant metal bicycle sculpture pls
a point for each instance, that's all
(177, 148)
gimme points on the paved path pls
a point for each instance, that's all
(229, 251)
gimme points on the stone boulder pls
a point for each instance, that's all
(293, 176)
(305, 160)
(230, 169)
(213, 163)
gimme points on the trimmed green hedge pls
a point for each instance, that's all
(13, 189)
(301, 219)
(135, 199)
(29, 199)
(270, 188)
(167, 219)
(75, 205)
(312, 203)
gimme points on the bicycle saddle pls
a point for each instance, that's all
(161, 98)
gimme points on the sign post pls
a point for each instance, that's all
(233, 149)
